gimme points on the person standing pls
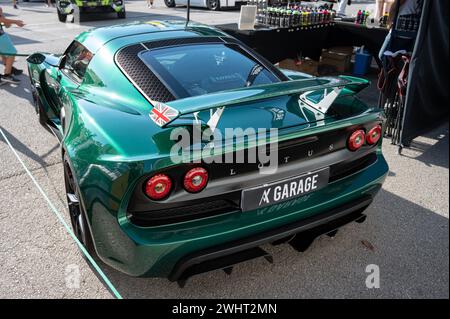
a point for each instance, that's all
(7, 48)
(405, 8)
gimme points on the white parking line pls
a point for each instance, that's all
(63, 222)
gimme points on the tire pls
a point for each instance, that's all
(213, 5)
(76, 211)
(170, 3)
(61, 16)
(122, 14)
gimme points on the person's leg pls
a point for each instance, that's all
(8, 62)
(7, 47)
(342, 7)
(379, 5)
(8, 75)
(387, 6)
(14, 70)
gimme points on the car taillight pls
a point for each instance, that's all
(195, 179)
(356, 140)
(158, 186)
(373, 136)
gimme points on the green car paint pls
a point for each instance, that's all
(112, 145)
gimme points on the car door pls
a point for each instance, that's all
(67, 78)
(194, 3)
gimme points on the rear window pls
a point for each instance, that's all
(192, 70)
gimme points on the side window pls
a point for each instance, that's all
(77, 59)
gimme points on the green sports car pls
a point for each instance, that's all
(80, 8)
(184, 150)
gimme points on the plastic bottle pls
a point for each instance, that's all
(358, 17)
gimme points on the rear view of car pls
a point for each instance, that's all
(81, 9)
(184, 151)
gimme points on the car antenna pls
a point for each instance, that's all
(188, 12)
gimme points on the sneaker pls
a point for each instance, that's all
(16, 71)
(8, 78)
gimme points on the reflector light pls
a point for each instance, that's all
(195, 179)
(356, 140)
(158, 187)
(374, 135)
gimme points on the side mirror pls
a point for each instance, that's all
(36, 58)
(62, 62)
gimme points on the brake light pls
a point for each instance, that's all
(158, 187)
(356, 140)
(374, 135)
(195, 179)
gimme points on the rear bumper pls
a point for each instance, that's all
(305, 231)
(102, 9)
(170, 250)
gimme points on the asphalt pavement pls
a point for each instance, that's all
(406, 233)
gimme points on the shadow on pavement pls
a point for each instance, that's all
(20, 40)
(22, 90)
(432, 154)
(25, 150)
(408, 242)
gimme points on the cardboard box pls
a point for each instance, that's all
(338, 58)
(306, 66)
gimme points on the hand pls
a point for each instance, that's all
(19, 23)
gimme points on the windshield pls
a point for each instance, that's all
(192, 70)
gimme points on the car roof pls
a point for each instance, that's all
(94, 39)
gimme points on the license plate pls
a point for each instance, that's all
(274, 193)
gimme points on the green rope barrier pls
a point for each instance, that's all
(14, 54)
(62, 221)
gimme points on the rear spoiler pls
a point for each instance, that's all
(220, 100)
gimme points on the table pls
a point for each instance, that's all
(351, 34)
(277, 44)
(281, 43)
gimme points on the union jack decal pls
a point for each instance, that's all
(162, 114)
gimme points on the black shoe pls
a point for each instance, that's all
(16, 71)
(16, 7)
(8, 78)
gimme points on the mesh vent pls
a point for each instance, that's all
(181, 41)
(141, 76)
